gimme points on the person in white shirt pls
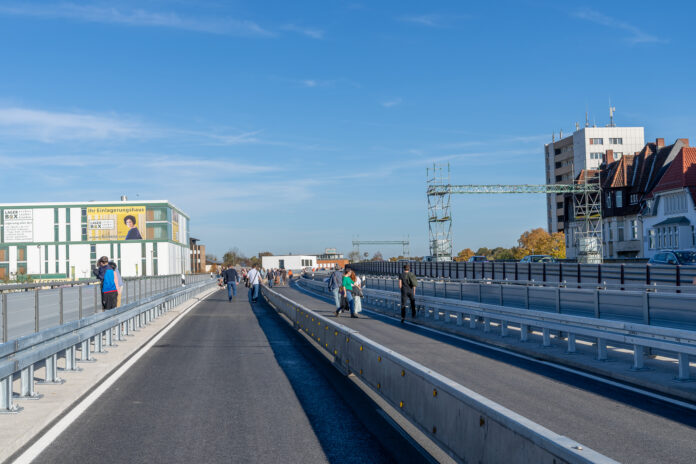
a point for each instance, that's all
(254, 279)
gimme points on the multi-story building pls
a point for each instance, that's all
(626, 184)
(198, 259)
(330, 259)
(64, 240)
(584, 149)
(669, 216)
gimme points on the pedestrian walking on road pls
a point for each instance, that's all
(110, 289)
(347, 291)
(99, 271)
(254, 282)
(119, 282)
(408, 284)
(230, 278)
(357, 291)
(335, 280)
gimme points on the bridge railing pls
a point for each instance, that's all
(30, 308)
(468, 426)
(632, 334)
(23, 355)
(611, 273)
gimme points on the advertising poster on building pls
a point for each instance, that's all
(116, 223)
(18, 225)
(175, 226)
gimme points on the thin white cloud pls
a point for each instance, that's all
(312, 33)
(209, 165)
(432, 19)
(49, 126)
(137, 17)
(391, 103)
(636, 35)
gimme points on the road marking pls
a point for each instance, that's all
(54, 432)
(580, 373)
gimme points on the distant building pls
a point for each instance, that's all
(198, 261)
(567, 157)
(330, 259)
(56, 240)
(290, 262)
(669, 216)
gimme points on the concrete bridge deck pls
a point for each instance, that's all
(231, 383)
(623, 425)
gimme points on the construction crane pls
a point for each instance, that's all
(587, 210)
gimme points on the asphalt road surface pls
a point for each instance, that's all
(232, 383)
(628, 427)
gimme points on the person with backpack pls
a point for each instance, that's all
(407, 285)
(119, 282)
(110, 289)
(334, 284)
(254, 282)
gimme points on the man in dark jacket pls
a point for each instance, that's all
(407, 284)
(99, 272)
(230, 278)
(335, 280)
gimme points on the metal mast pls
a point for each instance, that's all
(587, 209)
(405, 245)
(439, 215)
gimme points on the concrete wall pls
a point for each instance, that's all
(293, 262)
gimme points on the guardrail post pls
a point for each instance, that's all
(601, 349)
(71, 359)
(684, 373)
(4, 317)
(503, 328)
(599, 273)
(678, 275)
(472, 321)
(571, 343)
(479, 292)
(546, 337)
(486, 324)
(526, 296)
(459, 318)
(529, 271)
(110, 337)
(524, 332)
(36, 310)
(51, 371)
(560, 272)
(26, 389)
(543, 272)
(647, 274)
(516, 272)
(493, 271)
(99, 343)
(6, 405)
(638, 358)
(85, 351)
(558, 299)
(623, 275)
(579, 274)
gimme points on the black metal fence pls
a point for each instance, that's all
(610, 273)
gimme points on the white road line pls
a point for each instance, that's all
(54, 432)
(580, 373)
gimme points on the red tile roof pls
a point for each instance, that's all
(680, 173)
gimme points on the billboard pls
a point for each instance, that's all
(19, 225)
(116, 223)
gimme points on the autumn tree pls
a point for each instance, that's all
(464, 255)
(354, 256)
(233, 257)
(377, 256)
(539, 242)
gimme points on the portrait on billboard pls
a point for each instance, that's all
(116, 223)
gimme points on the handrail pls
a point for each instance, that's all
(22, 355)
(467, 426)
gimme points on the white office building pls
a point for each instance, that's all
(290, 262)
(65, 240)
(584, 149)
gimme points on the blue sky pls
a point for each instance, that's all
(296, 126)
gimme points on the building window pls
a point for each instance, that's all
(596, 155)
(596, 141)
(609, 200)
(634, 198)
(620, 231)
(634, 229)
(615, 141)
(619, 199)
(651, 239)
(676, 236)
(618, 154)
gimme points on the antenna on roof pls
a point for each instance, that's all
(560, 134)
(611, 114)
(577, 126)
(587, 119)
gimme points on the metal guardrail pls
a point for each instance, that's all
(621, 274)
(29, 308)
(600, 331)
(22, 356)
(468, 426)
(650, 308)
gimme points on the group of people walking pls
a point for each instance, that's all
(110, 281)
(347, 290)
(252, 279)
